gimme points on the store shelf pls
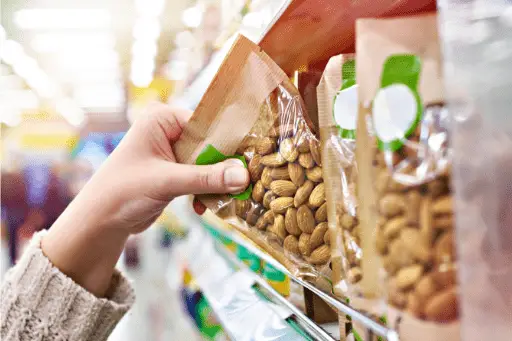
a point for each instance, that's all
(372, 326)
(311, 31)
(246, 306)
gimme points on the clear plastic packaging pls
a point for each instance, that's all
(251, 111)
(402, 100)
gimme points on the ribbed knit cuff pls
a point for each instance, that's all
(41, 299)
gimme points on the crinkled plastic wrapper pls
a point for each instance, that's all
(408, 162)
(252, 110)
(338, 108)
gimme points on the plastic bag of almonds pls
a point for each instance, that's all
(253, 112)
(401, 99)
(337, 110)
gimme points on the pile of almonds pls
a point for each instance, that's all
(415, 238)
(288, 197)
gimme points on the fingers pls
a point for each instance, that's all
(171, 120)
(229, 176)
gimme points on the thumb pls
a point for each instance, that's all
(229, 176)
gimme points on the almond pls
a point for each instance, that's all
(425, 287)
(348, 221)
(265, 145)
(302, 143)
(314, 147)
(443, 222)
(327, 238)
(273, 160)
(297, 174)
(290, 221)
(444, 249)
(394, 226)
(280, 173)
(408, 276)
(317, 237)
(288, 150)
(261, 224)
(305, 219)
(258, 192)
(391, 204)
(442, 206)
(317, 197)
(242, 208)
(283, 188)
(320, 255)
(280, 205)
(279, 228)
(303, 193)
(269, 217)
(414, 305)
(255, 168)
(266, 179)
(314, 174)
(291, 244)
(443, 306)
(304, 247)
(306, 160)
(415, 244)
(321, 213)
(268, 198)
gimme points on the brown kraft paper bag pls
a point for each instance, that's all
(406, 164)
(252, 111)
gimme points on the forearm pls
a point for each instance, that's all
(85, 243)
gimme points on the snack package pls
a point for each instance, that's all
(251, 111)
(407, 160)
(338, 109)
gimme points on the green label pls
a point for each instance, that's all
(271, 273)
(397, 107)
(345, 105)
(210, 156)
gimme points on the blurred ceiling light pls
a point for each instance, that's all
(146, 28)
(76, 60)
(253, 19)
(93, 76)
(58, 41)
(11, 82)
(22, 99)
(145, 48)
(149, 8)
(185, 39)
(192, 16)
(25, 66)
(70, 110)
(53, 18)
(143, 64)
(10, 115)
(100, 96)
(141, 79)
(11, 51)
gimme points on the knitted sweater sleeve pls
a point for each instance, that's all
(38, 302)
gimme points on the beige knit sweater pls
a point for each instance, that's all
(40, 303)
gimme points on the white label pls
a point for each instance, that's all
(345, 108)
(394, 112)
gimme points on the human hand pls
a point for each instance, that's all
(127, 195)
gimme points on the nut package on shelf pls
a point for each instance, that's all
(252, 112)
(404, 162)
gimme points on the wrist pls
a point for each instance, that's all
(84, 245)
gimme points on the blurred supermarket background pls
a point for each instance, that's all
(74, 74)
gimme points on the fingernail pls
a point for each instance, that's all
(236, 178)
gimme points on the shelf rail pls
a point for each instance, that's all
(372, 326)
